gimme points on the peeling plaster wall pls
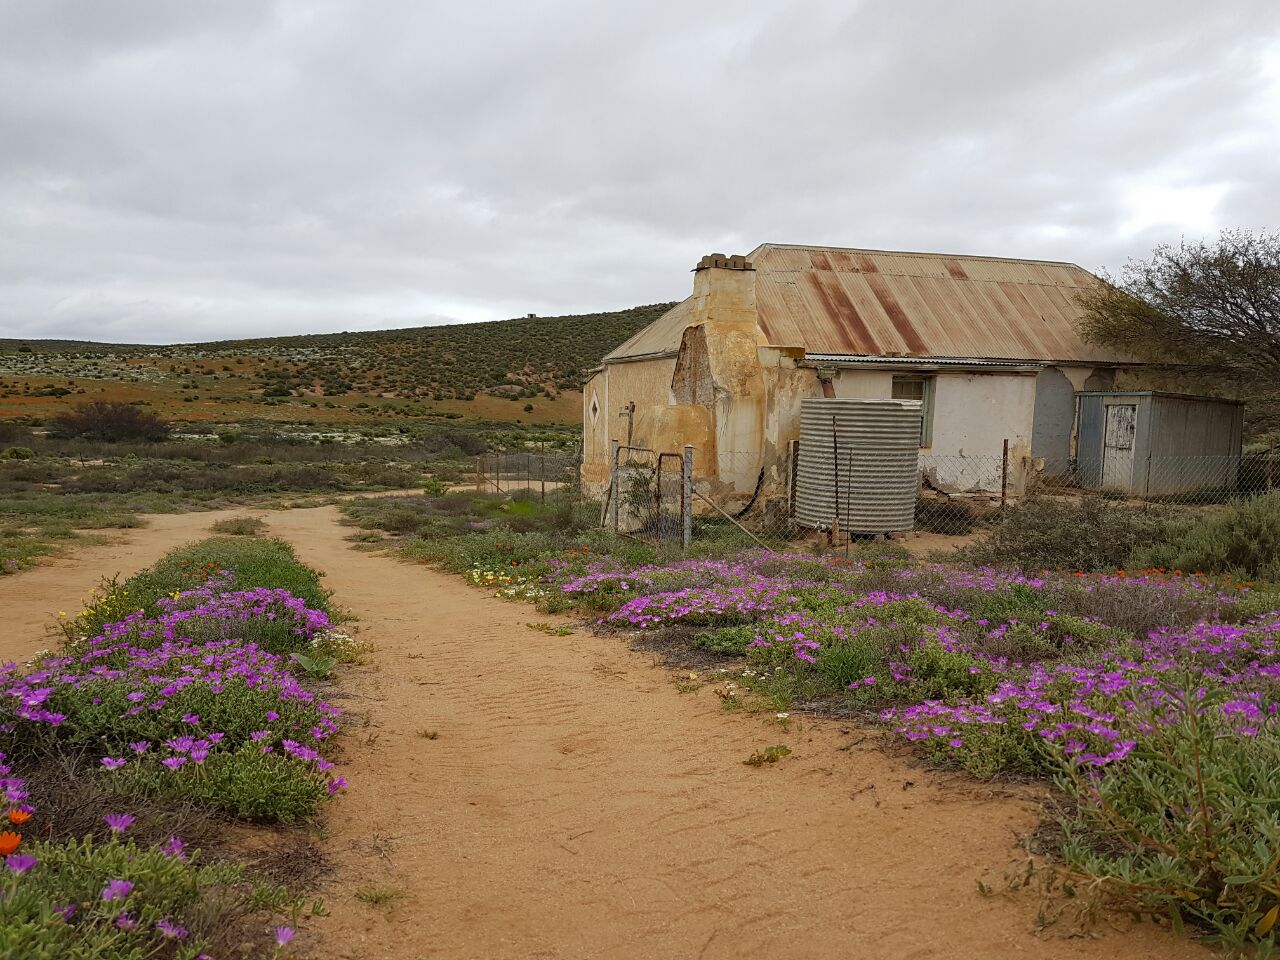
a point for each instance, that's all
(973, 414)
(863, 384)
(1054, 419)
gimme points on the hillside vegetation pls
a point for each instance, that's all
(526, 359)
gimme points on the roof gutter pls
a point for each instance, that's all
(846, 362)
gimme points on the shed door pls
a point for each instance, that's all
(1117, 449)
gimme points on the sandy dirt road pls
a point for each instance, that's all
(573, 804)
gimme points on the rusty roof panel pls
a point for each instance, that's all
(876, 302)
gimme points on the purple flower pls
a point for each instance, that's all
(171, 931)
(191, 718)
(119, 822)
(66, 911)
(336, 784)
(113, 763)
(283, 936)
(174, 847)
(20, 862)
(140, 746)
(126, 922)
(173, 763)
(117, 890)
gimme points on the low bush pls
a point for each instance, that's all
(110, 422)
(116, 900)
(1090, 533)
(1242, 539)
(1188, 825)
(239, 527)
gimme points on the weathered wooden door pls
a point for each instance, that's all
(1117, 449)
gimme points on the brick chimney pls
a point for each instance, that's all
(724, 306)
(724, 292)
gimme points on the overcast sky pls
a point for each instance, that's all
(177, 171)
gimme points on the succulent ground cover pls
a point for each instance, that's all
(177, 702)
(1149, 699)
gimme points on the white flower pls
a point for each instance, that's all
(782, 716)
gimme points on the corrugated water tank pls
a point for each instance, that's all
(873, 448)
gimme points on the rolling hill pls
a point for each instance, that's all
(460, 367)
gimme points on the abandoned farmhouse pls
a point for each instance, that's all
(987, 348)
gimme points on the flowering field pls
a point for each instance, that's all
(185, 695)
(1150, 699)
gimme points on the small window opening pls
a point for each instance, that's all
(918, 388)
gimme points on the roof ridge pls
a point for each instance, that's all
(913, 253)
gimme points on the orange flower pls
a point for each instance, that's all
(19, 817)
(9, 842)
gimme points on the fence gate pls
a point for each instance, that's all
(649, 495)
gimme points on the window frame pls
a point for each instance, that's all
(928, 384)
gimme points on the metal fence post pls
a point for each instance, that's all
(686, 498)
(615, 450)
(479, 473)
(1004, 476)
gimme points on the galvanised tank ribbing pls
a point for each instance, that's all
(873, 448)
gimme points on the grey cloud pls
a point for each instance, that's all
(200, 170)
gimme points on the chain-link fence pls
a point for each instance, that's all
(955, 496)
(662, 498)
(538, 471)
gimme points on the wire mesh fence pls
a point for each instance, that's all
(955, 496)
(538, 471)
(657, 497)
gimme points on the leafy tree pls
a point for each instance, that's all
(1210, 310)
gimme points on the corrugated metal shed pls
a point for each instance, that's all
(1157, 444)
(831, 300)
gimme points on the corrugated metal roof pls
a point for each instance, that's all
(832, 300)
(874, 302)
(661, 336)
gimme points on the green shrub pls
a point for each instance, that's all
(491, 550)
(55, 910)
(239, 526)
(729, 640)
(1243, 540)
(1088, 533)
(17, 453)
(245, 783)
(1187, 826)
